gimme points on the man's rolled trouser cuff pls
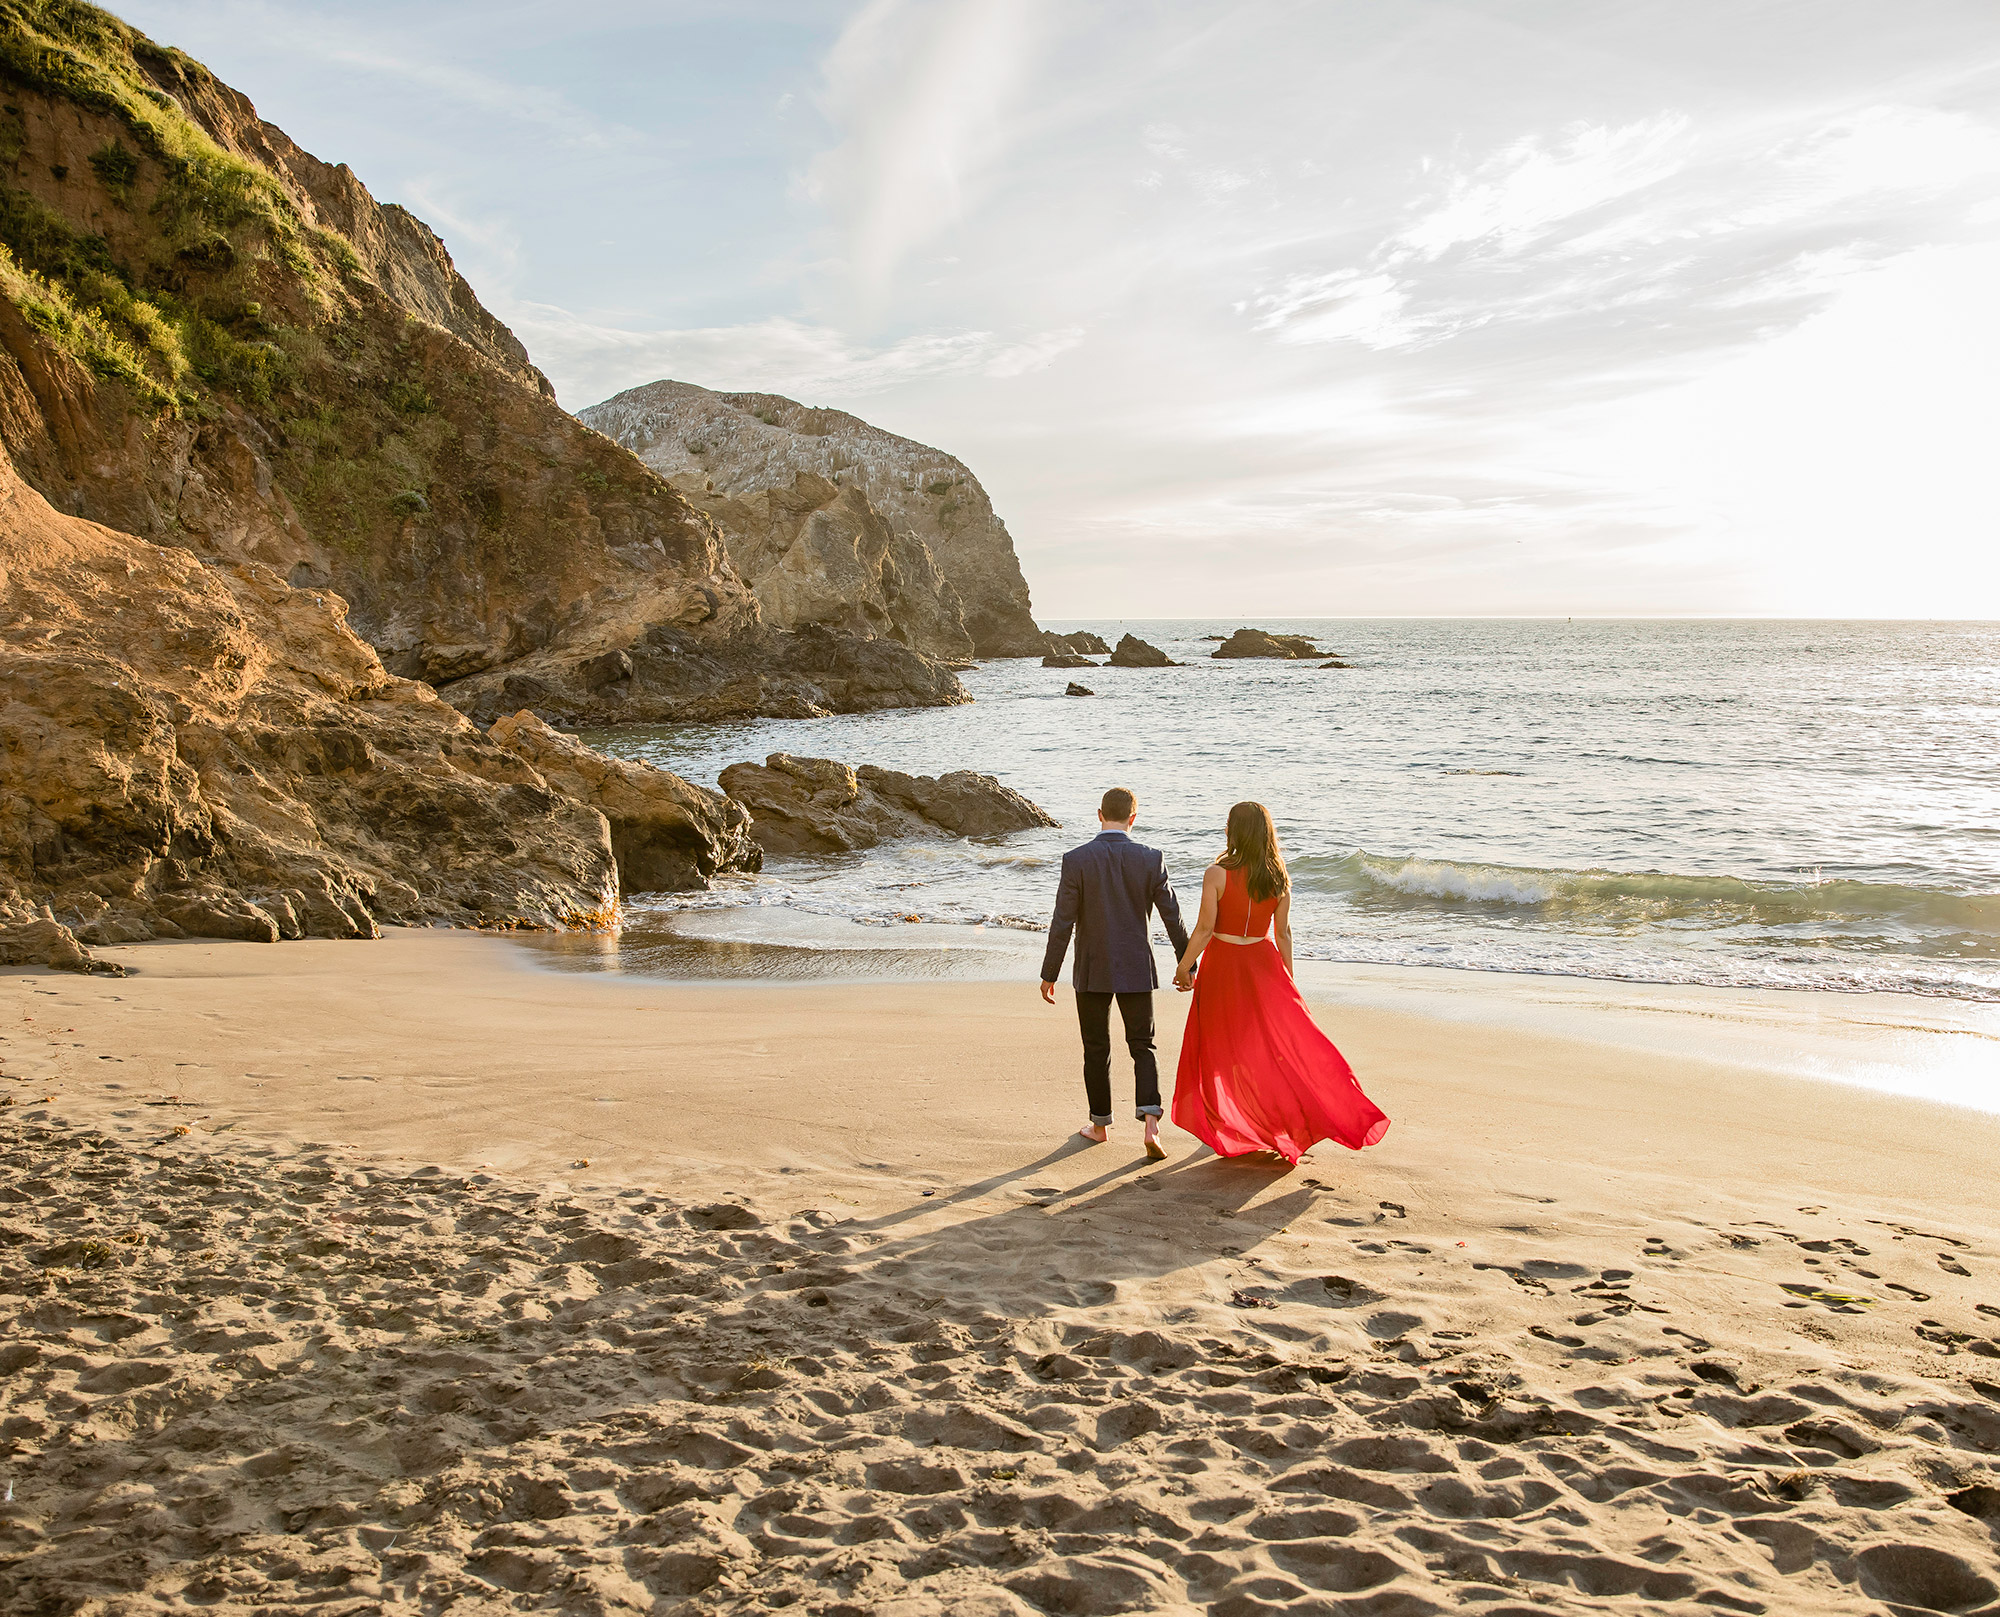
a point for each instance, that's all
(1103, 1122)
(1145, 1112)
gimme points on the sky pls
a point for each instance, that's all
(1341, 308)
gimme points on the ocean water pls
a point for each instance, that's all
(1781, 804)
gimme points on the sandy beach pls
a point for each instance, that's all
(409, 1276)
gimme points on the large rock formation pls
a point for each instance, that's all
(212, 340)
(198, 748)
(817, 805)
(782, 481)
(667, 834)
(817, 552)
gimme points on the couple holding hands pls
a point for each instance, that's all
(1256, 1073)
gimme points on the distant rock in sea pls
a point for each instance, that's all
(1082, 643)
(1336, 663)
(831, 519)
(1262, 643)
(1132, 652)
(1066, 659)
(1078, 690)
(818, 805)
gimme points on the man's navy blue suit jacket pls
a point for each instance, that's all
(1109, 887)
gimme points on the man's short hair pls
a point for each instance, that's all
(1118, 804)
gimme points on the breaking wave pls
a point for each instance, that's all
(1579, 897)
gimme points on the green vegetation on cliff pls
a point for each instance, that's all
(170, 310)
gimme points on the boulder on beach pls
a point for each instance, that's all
(1065, 659)
(1262, 643)
(1075, 689)
(819, 805)
(1080, 643)
(667, 834)
(1133, 652)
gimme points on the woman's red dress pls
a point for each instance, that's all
(1256, 1073)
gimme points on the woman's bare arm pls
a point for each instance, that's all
(1281, 925)
(1204, 926)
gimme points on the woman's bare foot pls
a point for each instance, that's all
(1096, 1133)
(1155, 1152)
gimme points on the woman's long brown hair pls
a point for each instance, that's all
(1253, 849)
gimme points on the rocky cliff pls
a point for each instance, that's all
(198, 748)
(215, 341)
(832, 520)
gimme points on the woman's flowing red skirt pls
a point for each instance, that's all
(1256, 1073)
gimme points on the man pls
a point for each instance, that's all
(1109, 888)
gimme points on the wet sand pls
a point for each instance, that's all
(470, 1286)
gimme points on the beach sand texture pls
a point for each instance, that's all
(366, 1278)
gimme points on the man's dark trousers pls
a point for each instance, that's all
(1093, 1015)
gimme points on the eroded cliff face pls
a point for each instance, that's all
(818, 552)
(196, 747)
(271, 368)
(731, 451)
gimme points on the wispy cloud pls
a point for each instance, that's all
(1660, 216)
(921, 91)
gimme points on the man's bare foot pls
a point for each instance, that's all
(1096, 1133)
(1155, 1152)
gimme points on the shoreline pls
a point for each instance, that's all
(270, 1038)
(1927, 1047)
(470, 1285)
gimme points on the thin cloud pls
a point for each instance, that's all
(921, 93)
(1601, 221)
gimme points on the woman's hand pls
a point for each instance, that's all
(1183, 978)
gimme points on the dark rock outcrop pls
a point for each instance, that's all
(1064, 659)
(1132, 652)
(777, 475)
(212, 340)
(818, 805)
(1081, 643)
(667, 834)
(1262, 643)
(1074, 689)
(1336, 663)
(198, 749)
(698, 677)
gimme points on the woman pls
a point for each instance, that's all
(1256, 1074)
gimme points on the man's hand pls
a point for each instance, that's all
(1183, 979)
(1049, 992)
